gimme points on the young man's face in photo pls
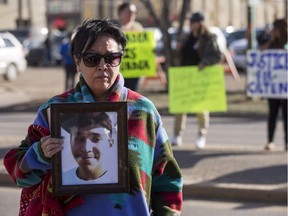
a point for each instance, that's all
(90, 147)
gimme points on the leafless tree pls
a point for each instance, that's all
(163, 22)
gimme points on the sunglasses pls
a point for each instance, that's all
(93, 59)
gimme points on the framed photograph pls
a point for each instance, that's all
(94, 158)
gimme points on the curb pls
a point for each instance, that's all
(212, 190)
(5, 180)
(239, 192)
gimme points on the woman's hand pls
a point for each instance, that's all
(51, 146)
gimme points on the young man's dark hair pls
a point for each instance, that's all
(86, 120)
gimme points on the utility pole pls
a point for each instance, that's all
(112, 8)
(265, 13)
(230, 8)
(276, 9)
(203, 6)
(251, 36)
(286, 9)
(19, 21)
(216, 18)
(30, 13)
(100, 9)
(249, 25)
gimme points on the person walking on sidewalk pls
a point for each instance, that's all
(68, 62)
(154, 175)
(278, 41)
(127, 13)
(200, 49)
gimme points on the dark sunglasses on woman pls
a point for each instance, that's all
(93, 59)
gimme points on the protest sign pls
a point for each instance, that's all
(139, 56)
(194, 91)
(267, 73)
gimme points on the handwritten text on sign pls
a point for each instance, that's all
(139, 56)
(267, 73)
(193, 91)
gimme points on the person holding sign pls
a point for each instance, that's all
(127, 13)
(200, 49)
(155, 178)
(278, 41)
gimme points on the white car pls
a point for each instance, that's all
(12, 57)
(238, 49)
(221, 40)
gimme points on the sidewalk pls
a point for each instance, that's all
(226, 174)
(234, 174)
(216, 172)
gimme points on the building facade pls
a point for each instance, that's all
(69, 13)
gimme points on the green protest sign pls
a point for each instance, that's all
(193, 91)
(139, 56)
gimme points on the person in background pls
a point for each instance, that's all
(199, 49)
(68, 62)
(278, 41)
(154, 175)
(127, 13)
(263, 38)
(48, 50)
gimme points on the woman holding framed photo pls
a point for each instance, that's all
(155, 179)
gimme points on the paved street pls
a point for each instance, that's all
(233, 166)
(227, 133)
(38, 84)
(9, 206)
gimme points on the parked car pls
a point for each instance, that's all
(37, 53)
(241, 34)
(221, 40)
(23, 34)
(238, 50)
(12, 56)
(56, 41)
(235, 35)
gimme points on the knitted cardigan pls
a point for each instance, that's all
(155, 178)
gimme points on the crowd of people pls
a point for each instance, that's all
(198, 48)
(95, 50)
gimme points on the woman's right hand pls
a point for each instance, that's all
(51, 146)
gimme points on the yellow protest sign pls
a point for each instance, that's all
(139, 56)
(193, 91)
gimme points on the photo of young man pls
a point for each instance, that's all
(93, 148)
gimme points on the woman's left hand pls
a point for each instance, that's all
(51, 146)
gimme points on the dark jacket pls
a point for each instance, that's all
(202, 50)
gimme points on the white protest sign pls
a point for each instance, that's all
(267, 73)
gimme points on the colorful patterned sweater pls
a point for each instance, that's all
(155, 178)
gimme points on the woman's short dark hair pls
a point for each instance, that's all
(85, 35)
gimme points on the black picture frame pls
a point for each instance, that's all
(73, 115)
